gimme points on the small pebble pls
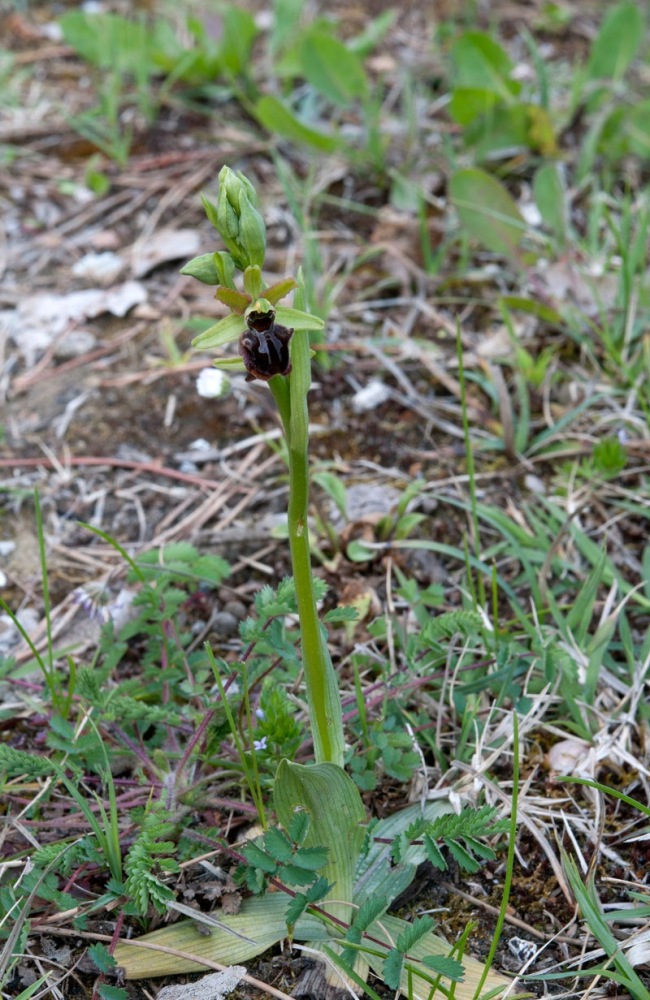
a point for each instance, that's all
(371, 396)
(212, 383)
(522, 949)
(236, 608)
(225, 624)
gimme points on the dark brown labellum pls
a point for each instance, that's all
(265, 347)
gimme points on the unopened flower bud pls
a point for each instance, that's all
(239, 223)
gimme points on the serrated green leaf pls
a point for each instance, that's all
(258, 858)
(318, 890)
(388, 929)
(294, 875)
(277, 844)
(341, 615)
(412, 933)
(369, 911)
(212, 568)
(297, 828)
(392, 968)
(296, 908)
(19, 762)
(101, 957)
(479, 847)
(434, 854)
(311, 858)
(446, 966)
(461, 855)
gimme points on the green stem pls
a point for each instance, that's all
(323, 698)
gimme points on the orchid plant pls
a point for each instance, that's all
(323, 824)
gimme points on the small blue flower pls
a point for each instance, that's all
(260, 744)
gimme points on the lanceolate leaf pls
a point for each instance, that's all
(332, 68)
(277, 118)
(262, 919)
(617, 41)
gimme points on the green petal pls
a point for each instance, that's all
(222, 332)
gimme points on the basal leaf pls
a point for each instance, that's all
(277, 119)
(617, 41)
(481, 64)
(469, 103)
(487, 211)
(332, 69)
(337, 816)
(239, 33)
(259, 924)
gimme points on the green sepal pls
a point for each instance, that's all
(253, 281)
(221, 333)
